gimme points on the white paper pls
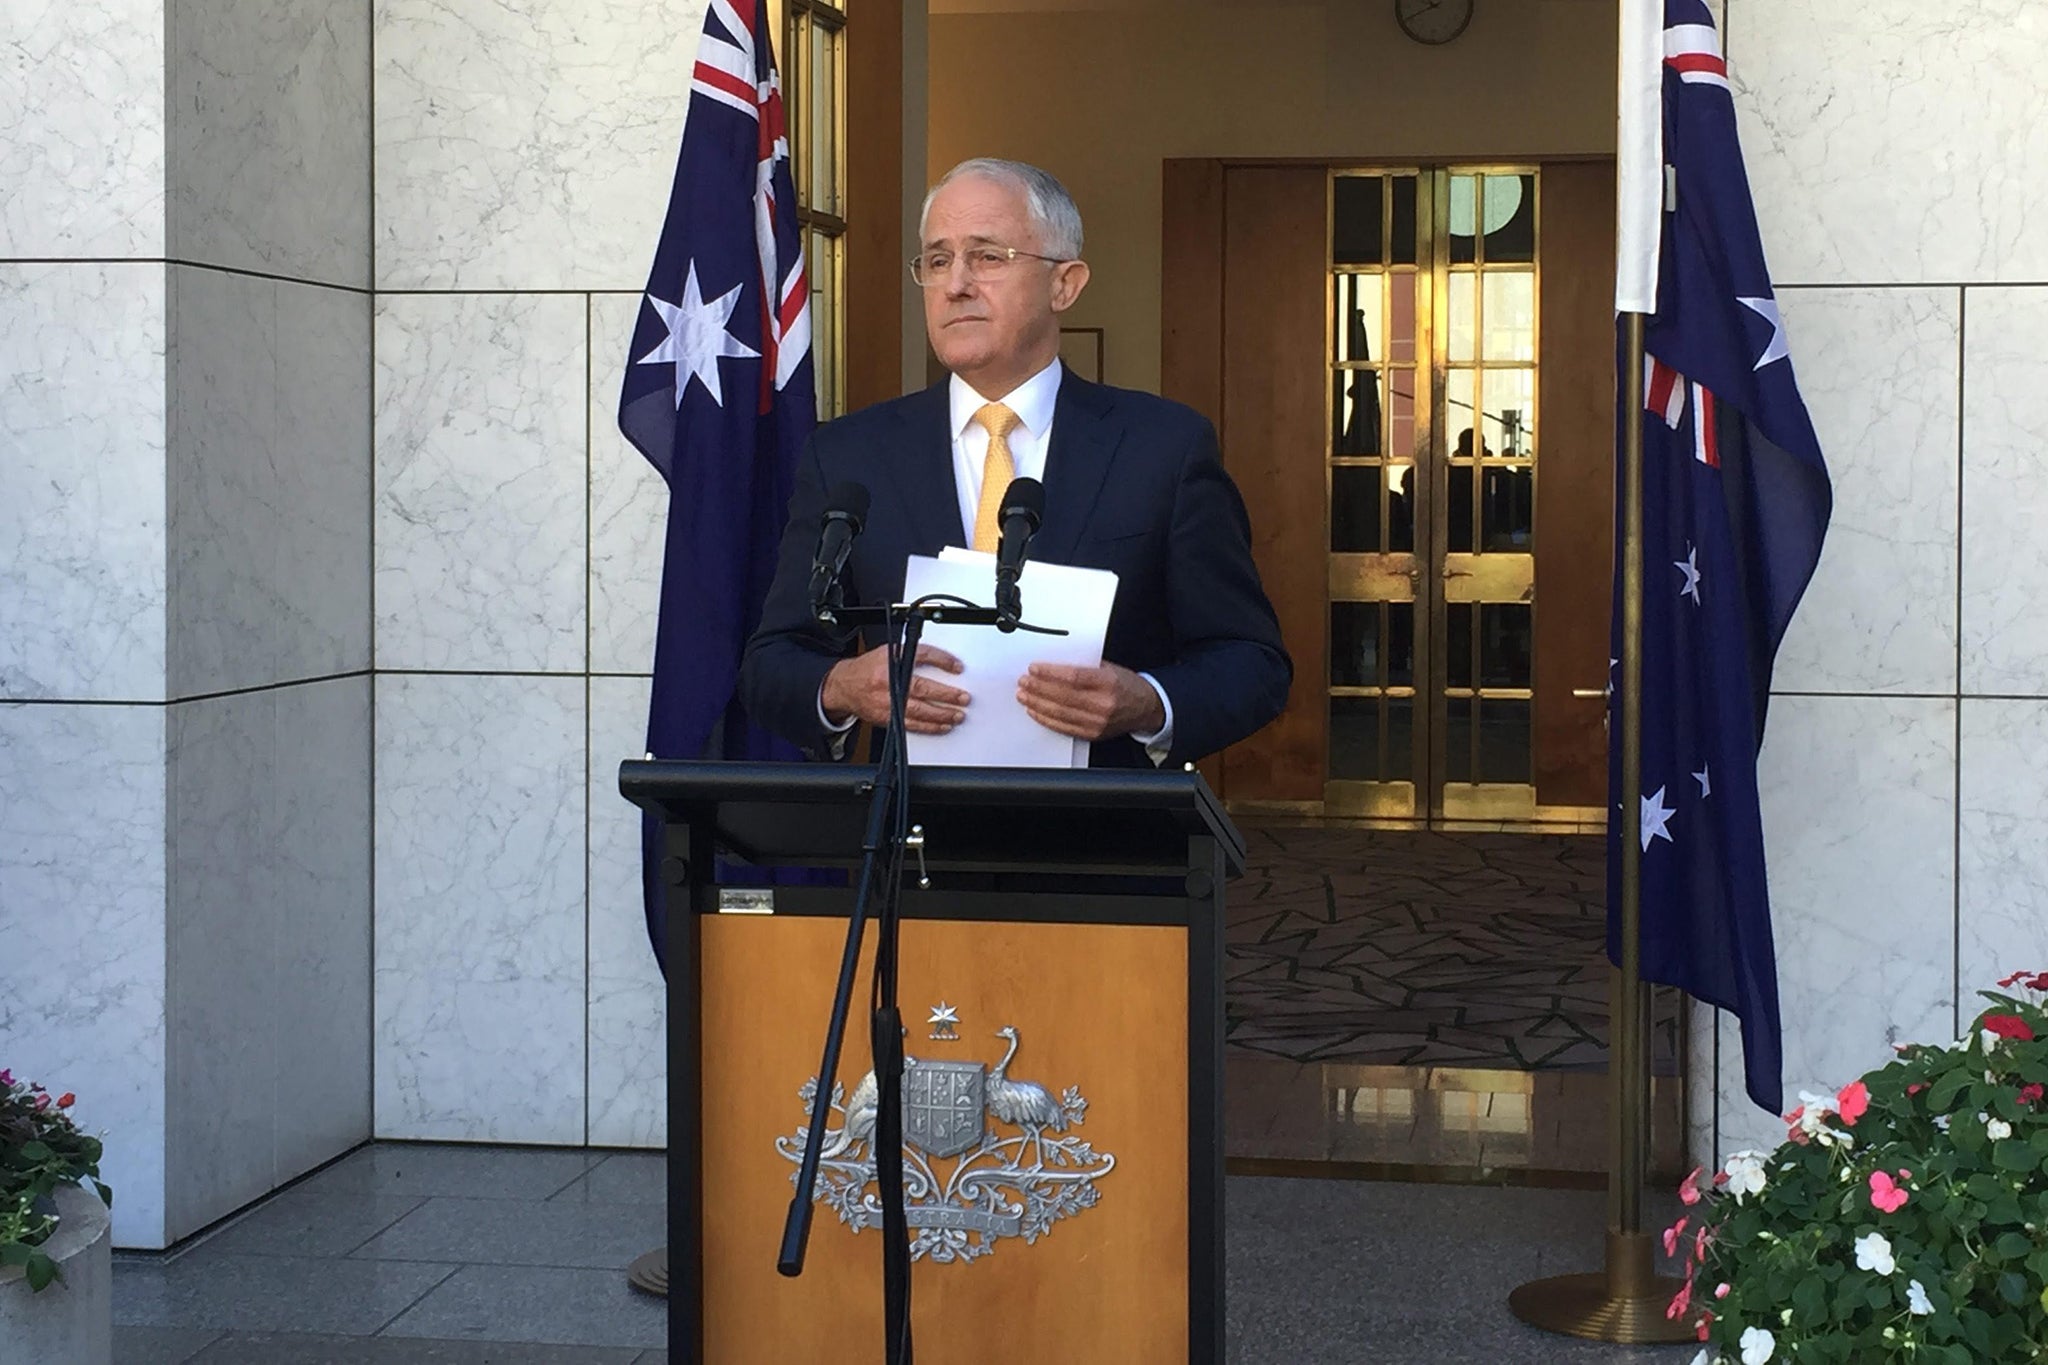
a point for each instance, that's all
(998, 732)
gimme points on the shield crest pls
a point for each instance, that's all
(943, 1105)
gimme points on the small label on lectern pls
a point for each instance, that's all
(737, 900)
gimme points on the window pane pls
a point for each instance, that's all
(1510, 400)
(1355, 644)
(1504, 741)
(1507, 513)
(1461, 510)
(1401, 343)
(822, 260)
(1510, 218)
(1355, 425)
(1355, 509)
(1510, 315)
(1403, 252)
(1357, 236)
(1355, 739)
(1458, 740)
(1400, 387)
(1463, 308)
(1458, 644)
(824, 119)
(1400, 644)
(1464, 218)
(1360, 330)
(1401, 508)
(1461, 398)
(1505, 642)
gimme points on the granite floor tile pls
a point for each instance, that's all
(243, 1348)
(299, 1222)
(270, 1293)
(621, 1178)
(160, 1345)
(515, 1232)
(420, 1170)
(653, 1358)
(537, 1304)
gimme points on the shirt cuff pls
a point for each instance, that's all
(1158, 744)
(835, 735)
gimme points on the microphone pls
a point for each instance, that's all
(846, 514)
(1023, 509)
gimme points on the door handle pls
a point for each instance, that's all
(1449, 574)
(1590, 693)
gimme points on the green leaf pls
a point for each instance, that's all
(2011, 1246)
(106, 1193)
(2013, 1289)
(37, 1151)
(2013, 1156)
(1942, 1097)
(1810, 1302)
(15, 1253)
(42, 1272)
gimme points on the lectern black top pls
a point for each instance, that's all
(989, 819)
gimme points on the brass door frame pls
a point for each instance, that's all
(1434, 578)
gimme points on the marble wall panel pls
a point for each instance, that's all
(480, 954)
(2005, 491)
(82, 128)
(320, 866)
(2004, 845)
(628, 507)
(222, 992)
(82, 514)
(628, 1055)
(1859, 823)
(482, 482)
(1878, 368)
(269, 440)
(527, 144)
(269, 139)
(1894, 142)
(82, 876)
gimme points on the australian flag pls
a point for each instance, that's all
(719, 395)
(1735, 505)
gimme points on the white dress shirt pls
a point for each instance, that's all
(1033, 401)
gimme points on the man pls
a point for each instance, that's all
(1133, 483)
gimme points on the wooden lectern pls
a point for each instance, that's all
(1062, 1106)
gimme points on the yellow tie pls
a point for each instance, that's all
(996, 472)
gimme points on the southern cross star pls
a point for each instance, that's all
(1690, 567)
(698, 337)
(1705, 777)
(1767, 309)
(1656, 819)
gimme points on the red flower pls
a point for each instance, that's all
(2039, 982)
(67, 1099)
(2031, 1094)
(1689, 1188)
(1679, 1301)
(1853, 1102)
(1885, 1194)
(1916, 1087)
(2009, 1026)
(2006, 983)
(6, 1080)
(42, 1103)
(1672, 1234)
(1706, 1322)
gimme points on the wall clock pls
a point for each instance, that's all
(1434, 22)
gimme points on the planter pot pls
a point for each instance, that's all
(72, 1321)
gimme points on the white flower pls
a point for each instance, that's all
(1703, 1358)
(1745, 1171)
(1874, 1252)
(1757, 1345)
(1990, 1042)
(1916, 1299)
(1997, 1129)
(1941, 1122)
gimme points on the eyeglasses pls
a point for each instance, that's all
(984, 263)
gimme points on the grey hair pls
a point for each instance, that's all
(1053, 210)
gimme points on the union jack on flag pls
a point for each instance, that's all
(719, 394)
(1736, 501)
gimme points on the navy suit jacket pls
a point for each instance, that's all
(1133, 483)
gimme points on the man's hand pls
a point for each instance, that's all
(859, 687)
(1090, 703)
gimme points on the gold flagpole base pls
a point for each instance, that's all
(649, 1273)
(1624, 1304)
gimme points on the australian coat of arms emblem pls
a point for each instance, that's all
(985, 1155)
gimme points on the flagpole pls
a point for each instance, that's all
(1625, 1302)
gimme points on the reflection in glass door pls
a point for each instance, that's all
(1432, 488)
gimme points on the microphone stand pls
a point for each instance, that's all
(882, 852)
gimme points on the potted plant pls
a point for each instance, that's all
(1904, 1219)
(54, 1233)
